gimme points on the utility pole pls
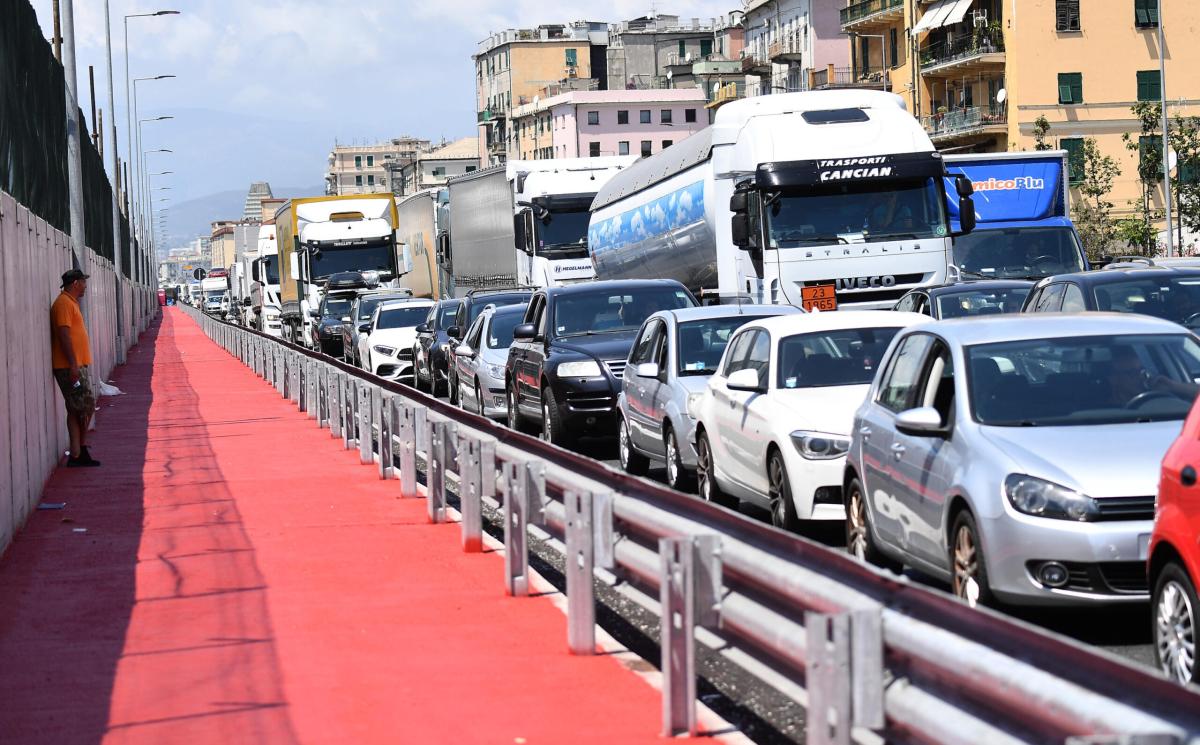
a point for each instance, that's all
(57, 40)
(116, 202)
(74, 167)
(1166, 139)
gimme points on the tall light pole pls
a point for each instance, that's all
(114, 162)
(1166, 140)
(136, 140)
(129, 115)
(145, 215)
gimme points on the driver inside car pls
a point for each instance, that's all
(1128, 378)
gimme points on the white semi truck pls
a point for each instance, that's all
(264, 310)
(522, 224)
(814, 199)
(214, 288)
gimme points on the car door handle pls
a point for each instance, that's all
(1187, 476)
(865, 431)
(898, 450)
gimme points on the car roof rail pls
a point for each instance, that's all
(514, 288)
(1128, 260)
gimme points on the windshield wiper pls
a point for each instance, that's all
(890, 236)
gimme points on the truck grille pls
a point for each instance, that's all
(616, 367)
(904, 283)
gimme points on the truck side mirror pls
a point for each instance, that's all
(294, 266)
(406, 259)
(520, 239)
(741, 226)
(443, 251)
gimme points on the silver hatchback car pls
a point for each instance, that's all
(1017, 457)
(675, 354)
(479, 361)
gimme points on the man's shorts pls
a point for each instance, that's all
(80, 399)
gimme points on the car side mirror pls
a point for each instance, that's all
(464, 351)
(454, 332)
(744, 380)
(524, 332)
(422, 328)
(921, 422)
(364, 328)
(646, 370)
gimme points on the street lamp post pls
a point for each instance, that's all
(1166, 139)
(145, 214)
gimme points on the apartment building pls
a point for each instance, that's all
(364, 169)
(259, 190)
(662, 51)
(221, 246)
(979, 73)
(583, 124)
(438, 165)
(515, 65)
(791, 45)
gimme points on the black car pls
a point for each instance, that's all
(332, 314)
(565, 364)
(430, 351)
(1172, 294)
(472, 305)
(963, 299)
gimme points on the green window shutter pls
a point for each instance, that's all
(1074, 148)
(1070, 87)
(572, 58)
(1152, 10)
(1149, 85)
(705, 47)
(682, 49)
(1145, 13)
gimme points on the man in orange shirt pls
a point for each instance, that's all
(70, 356)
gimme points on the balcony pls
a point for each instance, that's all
(963, 55)
(753, 64)
(870, 14)
(490, 115)
(966, 124)
(731, 91)
(785, 51)
(844, 77)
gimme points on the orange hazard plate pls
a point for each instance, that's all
(819, 297)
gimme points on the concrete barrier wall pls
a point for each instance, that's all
(33, 430)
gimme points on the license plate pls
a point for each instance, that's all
(818, 297)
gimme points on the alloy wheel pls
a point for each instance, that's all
(776, 492)
(1175, 627)
(623, 445)
(856, 516)
(547, 431)
(966, 566)
(513, 420)
(704, 477)
(672, 460)
(478, 400)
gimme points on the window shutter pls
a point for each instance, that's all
(1066, 15)
(1152, 11)
(1074, 148)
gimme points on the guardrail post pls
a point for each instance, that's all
(302, 371)
(366, 448)
(520, 490)
(440, 434)
(689, 594)
(828, 679)
(349, 401)
(581, 608)
(382, 413)
(280, 372)
(312, 384)
(334, 394)
(295, 387)
(470, 484)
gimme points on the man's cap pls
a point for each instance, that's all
(71, 276)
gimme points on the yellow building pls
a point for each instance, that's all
(979, 73)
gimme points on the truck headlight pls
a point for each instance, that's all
(820, 445)
(385, 351)
(580, 369)
(1041, 498)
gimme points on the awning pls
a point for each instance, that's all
(942, 13)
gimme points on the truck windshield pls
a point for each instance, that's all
(855, 213)
(269, 266)
(1027, 253)
(565, 235)
(614, 311)
(380, 258)
(214, 294)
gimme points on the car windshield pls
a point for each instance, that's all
(478, 307)
(701, 343)
(981, 302)
(446, 315)
(367, 306)
(1172, 298)
(832, 358)
(1012, 253)
(402, 317)
(614, 311)
(338, 306)
(500, 331)
(1083, 380)
(563, 235)
(856, 213)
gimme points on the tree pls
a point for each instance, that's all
(1149, 171)
(1041, 128)
(1092, 212)
(1185, 187)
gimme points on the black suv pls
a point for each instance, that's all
(565, 364)
(1171, 294)
(429, 353)
(472, 305)
(332, 314)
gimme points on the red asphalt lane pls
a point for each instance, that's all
(242, 579)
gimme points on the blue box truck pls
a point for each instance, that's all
(1023, 227)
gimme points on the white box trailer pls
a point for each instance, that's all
(839, 200)
(523, 223)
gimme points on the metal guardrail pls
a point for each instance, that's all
(868, 654)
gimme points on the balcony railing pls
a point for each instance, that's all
(728, 92)
(859, 11)
(752, 62)
(962, 47)
(785, 49)
(965, 119)
(845, 77)
(490, 115)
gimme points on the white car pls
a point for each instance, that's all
(386, 347)
(773, 425)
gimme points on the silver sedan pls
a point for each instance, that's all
(479, 361)
(1018, 457)
(675, 354)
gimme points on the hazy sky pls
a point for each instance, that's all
(265, 87)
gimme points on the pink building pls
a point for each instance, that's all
(580, 124)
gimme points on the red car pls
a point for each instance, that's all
(1175, 556)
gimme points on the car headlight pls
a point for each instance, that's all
(496, 371)
(820, 445)
(580, 369)
(386, 351)
(1041, 498)
(693, 405)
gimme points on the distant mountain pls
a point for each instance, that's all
(193, 218)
